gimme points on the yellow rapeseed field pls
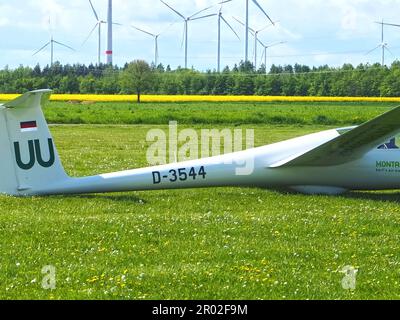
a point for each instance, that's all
(194, 98)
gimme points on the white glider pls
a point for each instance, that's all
(328, 162)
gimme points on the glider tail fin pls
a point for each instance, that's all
(29, 157)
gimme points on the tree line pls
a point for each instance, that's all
(139, 77)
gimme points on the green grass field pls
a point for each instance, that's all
(273, 113)
(222, 243)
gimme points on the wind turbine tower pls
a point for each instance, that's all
(109, 52)
(383, 44)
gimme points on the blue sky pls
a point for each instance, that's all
(317, 31)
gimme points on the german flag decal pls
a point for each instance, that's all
(29, 126)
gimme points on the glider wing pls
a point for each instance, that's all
(349, 146)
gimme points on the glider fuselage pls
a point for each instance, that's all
(378, 169)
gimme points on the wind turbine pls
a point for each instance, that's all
(156, 37)
(186, 22)
(255, 33)
(382, 45)
(221, 17)
(266, 47)
(51, 44)
(97, 25)
(247, 26)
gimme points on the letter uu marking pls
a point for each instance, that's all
(35, 154)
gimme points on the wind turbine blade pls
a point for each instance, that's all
(250, 29)
(94, 10)
(41, 49)
(64, 45)
(390, 51)
(222, 4)
(90, 34)
(389, 24)
(203, 17)
(118, 24)
(144, 31)
(233, 30)
(276, 44)
(266, 27)
(258, 5)
(262, 56)
(166, 29)
(273, 44)
(197, 13)
(239, 21)
(373, 50)
(50, 28)
(179, 14)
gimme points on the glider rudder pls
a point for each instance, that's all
(30, 159)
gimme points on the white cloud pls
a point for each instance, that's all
(4, 22)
